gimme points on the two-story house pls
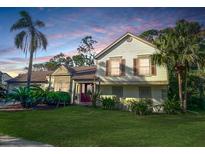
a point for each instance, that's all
(125, 69)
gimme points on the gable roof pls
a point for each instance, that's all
(104, 51)
(36, 77)
(79, 72)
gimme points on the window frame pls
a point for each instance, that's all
(119, 59)
(140, 92)
(150, 71)
(118, 87)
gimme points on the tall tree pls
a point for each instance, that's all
(61, 59)
(180, 48)
(29, 39)
(86, 48)
(78, 60)
(69, 61)
(150, 35)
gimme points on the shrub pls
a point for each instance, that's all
(196, 103)
(57, 98)
(23, 95)
(109, 103)
(35, 95)
(95, 96)
(171, 106)
(128, 100)
(141, 107)
(108, 96)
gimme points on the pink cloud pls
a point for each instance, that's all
(73, 34)
(99, 29)
(137, 19)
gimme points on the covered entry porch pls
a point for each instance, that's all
(82, 90)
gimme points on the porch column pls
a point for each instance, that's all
(81, 87)
(73, 88)
(85, 88)
(94, 87)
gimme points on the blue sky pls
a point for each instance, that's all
(65, 27)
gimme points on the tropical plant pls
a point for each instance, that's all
(29, 39)
(95, 97)
(180, 48)
(141, 107)
(171, 106)
(150, 35)
(109, 103)
(21, 94)
(196, 103)
(2, 92)
(57, 98)
(30, 97)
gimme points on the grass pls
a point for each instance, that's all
(84, 126)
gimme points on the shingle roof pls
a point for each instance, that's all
(84, 77)
(84, 73)
(36, 77)
(81, 69)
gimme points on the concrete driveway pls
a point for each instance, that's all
(9, 141)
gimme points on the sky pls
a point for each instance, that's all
(65, 27)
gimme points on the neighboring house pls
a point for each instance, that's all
(3, 78)
(125, 69)
(40, 78)
(3, 84)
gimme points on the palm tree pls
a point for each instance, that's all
(179, 48)
(29, 39)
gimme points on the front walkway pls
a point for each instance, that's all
(8, 141)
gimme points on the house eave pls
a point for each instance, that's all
(148, 83)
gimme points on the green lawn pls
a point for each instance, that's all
(84, 126)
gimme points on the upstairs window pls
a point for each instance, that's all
(144, 66)
(115, 67)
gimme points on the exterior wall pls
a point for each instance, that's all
(132, 91)
(61, 83)
(61, 80)
(5, 77)
(129, 51)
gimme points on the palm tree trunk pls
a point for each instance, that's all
(180, 89)
(185, 92)
(30, 69)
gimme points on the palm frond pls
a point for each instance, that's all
(19, 39)
(20, 24)
(39, 24)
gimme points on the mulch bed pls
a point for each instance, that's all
(13, 108)
(19, 107)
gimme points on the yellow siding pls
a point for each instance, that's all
(129, 51)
